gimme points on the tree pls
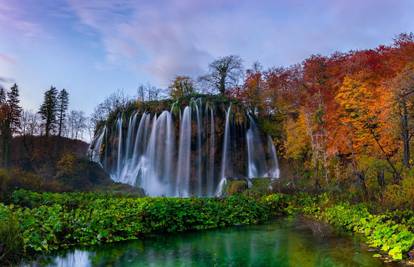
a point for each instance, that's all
(63, 103)
(77, 124)
(15, 110)
(48, 110)
(365, 112)
(181, 86)
(116, 101)
(30, 123)
(225, 72)
(2, 96)
(10, 113)
(403, 85)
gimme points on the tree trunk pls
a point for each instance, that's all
(381, 178)
(361, 180)
(405, 133)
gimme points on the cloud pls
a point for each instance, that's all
(7, 59)
(15, 17)
(163, 38)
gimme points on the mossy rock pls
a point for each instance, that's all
(236, 187)
(260, 186)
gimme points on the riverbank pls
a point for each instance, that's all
(281, 242)
(41, 223)
(38, 223)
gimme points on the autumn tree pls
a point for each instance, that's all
(403, 85)
(225, 72)
(62, 107)
(48, 110)
(181, 86)
(366, 112)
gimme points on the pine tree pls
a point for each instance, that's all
(2, 96)
(48, 110)
(63, 103)
(15, 111)
(3, 123)
(10, 120)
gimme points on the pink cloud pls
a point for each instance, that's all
(7, 59)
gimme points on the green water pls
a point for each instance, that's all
(286, 242)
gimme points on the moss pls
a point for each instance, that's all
(236, 186)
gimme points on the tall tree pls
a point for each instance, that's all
(225, 72)
(10, 120)
(48, 110)
(181, 86)
(2, 96)
(403, 85)
(15, 110)
(63, 104)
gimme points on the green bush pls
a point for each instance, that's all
(52, 221)
(381, 231)
(11, 242)
(397, 196)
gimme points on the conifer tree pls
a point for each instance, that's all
(10, 120)
(63, 103)
(15, 111)
(2, 96)
(48, 110)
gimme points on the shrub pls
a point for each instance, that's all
(11, 242)
(400, 195)
(51, 221)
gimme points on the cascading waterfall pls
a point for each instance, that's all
(95, 154)
(183, 173)
(188, 152)
(256, 165)
(210, 174)
(224, 161)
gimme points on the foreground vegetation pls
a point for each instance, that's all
(52, 221)
(34, 223)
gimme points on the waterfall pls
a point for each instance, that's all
(94, 149)
(119, 156)
(224, 161)
(156, 163)
(183, 173)
(199, 152)
(175, 152)
(274, 170)
(212, 150)
(256, 164)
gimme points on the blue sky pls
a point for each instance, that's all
(94, 47)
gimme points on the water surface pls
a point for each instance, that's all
(285, 242)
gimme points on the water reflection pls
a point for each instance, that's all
(283, 243)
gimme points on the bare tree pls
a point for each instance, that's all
(117, 100)
(77, 124)
(225, 72)
(149, 93)
(30, 123)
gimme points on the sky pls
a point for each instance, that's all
(95, 47)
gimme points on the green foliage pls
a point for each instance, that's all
(236, 187)
(11, 242)
(48, 110)
(400, 195)
(380, 231)
(52, 221)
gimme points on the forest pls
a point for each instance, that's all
(341, 125)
